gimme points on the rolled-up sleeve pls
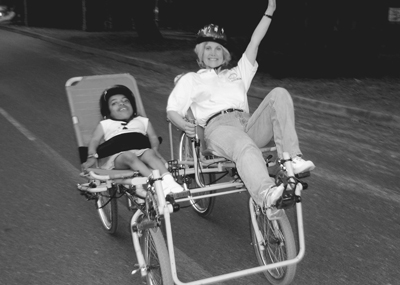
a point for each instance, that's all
(180, 98)
(247, 70)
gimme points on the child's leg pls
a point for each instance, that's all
(128, 160)
(150, 158)
(168, 182)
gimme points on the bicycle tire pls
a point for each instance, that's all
(279, 246)
(108, 210)
(156, 256)
(203, 207)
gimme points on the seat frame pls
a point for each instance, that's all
(84, 93)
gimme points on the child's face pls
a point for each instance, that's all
(120, 107)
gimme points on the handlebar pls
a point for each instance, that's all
(118, 176)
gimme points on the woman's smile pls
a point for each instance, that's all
(213, 55)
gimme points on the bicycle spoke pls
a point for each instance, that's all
(277, 246)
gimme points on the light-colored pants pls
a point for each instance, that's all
(238, 137)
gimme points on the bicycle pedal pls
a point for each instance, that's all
(303, 174)
(137, 269)
(180, 195)
(144, 225)
(304, 184)
(288, 200)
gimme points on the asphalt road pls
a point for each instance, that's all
(49, 234)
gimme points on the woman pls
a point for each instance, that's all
(218, 99)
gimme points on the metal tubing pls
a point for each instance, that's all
(136, 244)
(171, 141)
(240, 273)
(245, 272)
(211, 195)
(219, 278)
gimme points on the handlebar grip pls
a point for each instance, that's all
(98, 176)
(103, 174)
(123, 175)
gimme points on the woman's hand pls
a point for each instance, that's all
(272, 5)
(190, 129)
(91, 161)
(186, 125)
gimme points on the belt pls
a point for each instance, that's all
(223, 112)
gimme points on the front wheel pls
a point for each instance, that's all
(278, 245)
(156, 256)
(107, 209)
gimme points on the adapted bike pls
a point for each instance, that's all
(204, 177)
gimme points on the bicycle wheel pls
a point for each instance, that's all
(107, 209)
(156, 256)
(279, 245)
(204, 206)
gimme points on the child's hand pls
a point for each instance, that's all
(91, 161)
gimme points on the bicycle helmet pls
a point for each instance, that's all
(212, 33)
(114, 90)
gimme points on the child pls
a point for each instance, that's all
(130, 141)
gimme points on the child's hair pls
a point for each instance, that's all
(116, 90)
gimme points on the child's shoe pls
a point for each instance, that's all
(300, 165)
(169, 184)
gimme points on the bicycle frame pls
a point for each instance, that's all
(163, 206)
(237, 274)
(245, 272)
(166, 209)
(83, 94)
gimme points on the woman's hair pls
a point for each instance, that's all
(116, 90)
(199, 50)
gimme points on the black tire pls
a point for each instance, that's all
(156, 255)
(202, 207)
(279, 246)
(108, 210)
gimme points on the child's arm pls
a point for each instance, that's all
(97, 136)
(154, 142)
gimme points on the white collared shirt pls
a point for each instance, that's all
(207, 92)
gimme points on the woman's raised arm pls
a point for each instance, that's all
(259, 32)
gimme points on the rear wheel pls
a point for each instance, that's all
(107, 209)
(156, 256)
(203, 206)
(278, 245)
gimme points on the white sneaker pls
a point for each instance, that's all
(272, 194)
(169, 184)
(300, 165)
